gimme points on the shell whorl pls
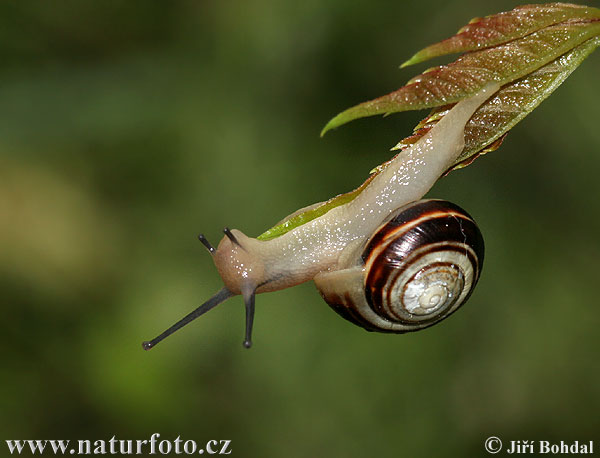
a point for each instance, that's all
(417, 269)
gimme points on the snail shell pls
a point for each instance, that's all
(418, 268)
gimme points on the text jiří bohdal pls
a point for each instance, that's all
(551, 448)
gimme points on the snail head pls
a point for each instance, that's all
(242, 273)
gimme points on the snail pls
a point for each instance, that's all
(431, 250)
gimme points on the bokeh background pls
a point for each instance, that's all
(128, 127)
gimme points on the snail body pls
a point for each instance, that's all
(325, 248)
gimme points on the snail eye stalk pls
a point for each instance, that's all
(206, 243)
(231, 237)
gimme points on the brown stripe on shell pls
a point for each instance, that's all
(344, 306)
(409, 216)
(393, 254)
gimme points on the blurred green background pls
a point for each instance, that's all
(126, 128)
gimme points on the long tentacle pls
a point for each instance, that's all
(218, 298)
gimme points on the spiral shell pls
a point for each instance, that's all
(417, 269)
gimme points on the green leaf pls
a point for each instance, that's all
(503, 27)
(508, 106)
(472, 71)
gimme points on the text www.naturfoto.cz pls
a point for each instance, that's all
(115, 446)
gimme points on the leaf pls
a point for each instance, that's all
(530, 67)
(507, 107)
(503, 27)
(472, 71)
